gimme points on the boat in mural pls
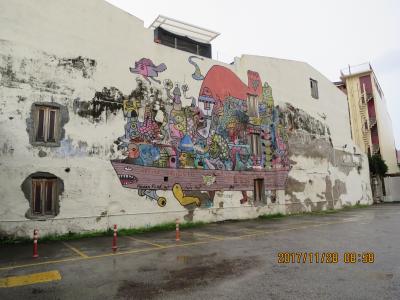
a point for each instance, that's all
(228, 138)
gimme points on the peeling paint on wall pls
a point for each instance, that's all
(16, 72)
(108, 101)
(84, 64)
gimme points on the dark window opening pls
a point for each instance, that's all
(183, 43)
(259, 191)
(43, 195)
(165, 178)
(51, 125)
(46, 123)
(40, 132)
(314, 88)
(49, 197)
(37, 202)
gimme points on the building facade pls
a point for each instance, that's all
(371, 125)
(103, 122)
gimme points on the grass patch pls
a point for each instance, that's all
(320, 212)
(109, 232)
(271, 216)
(161, 227)
(331, 211)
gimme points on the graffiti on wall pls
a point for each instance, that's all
(197, 73)
(148, 69)
(229, 136)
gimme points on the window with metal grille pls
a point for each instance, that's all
(314, 88)
(46, 124)
(44, 193)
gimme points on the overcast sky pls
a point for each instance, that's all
(327, 35)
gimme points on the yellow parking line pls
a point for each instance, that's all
(29, 279)
(80, 253)
(145, 242)
(213, 239)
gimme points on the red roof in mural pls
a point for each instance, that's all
(220, 83)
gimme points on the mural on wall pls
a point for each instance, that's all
(148, 69)
(197, 73)
(229, 136)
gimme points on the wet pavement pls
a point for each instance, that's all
(229, 260)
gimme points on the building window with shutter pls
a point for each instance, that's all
(42, 190)
(314, 88)
(252, 103)
(44, 193)
(255, 144)
(46, 124)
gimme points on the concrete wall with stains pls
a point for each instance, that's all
(74, 58)
(387, 144)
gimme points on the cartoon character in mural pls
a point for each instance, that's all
(148, 69)
(217, 143)
(197, 73)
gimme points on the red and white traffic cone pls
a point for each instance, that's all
(35, 243)
(114, 243)
(177, 235)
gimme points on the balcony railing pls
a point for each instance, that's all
(372, 122)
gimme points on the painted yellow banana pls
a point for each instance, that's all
(182, 199)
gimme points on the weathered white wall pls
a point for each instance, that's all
(385, 131)
(392, 188)
(316, 165)
(36, 36)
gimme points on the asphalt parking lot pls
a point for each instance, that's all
(286, 258)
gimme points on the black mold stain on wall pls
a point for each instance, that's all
(109, 100)
(40, 70)
(84, 64)
(30, 126)
(8, 77)
(297, 119)
(26, 188)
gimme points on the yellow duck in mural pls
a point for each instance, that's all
(182, 199)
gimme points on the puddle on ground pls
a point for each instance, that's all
(195, 259)
(199, 274)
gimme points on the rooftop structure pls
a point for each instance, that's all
(185, 29)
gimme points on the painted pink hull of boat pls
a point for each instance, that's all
(152, 178)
